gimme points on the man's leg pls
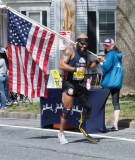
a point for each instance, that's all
(67, 102)
(85, 102)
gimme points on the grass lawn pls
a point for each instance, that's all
(25, 107)
(127, 109)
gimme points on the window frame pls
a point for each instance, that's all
(105, 32)
(106, 23)
(35, 11)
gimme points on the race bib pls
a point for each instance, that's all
(78, 76)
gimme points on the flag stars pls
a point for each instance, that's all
(18, 29)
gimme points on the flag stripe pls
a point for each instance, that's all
(10, 68)
(37, 45)
(46, 91)
(47, 52)
(21, 59)
(39, 83)
(14, 76)
(41, 46)
(35, 81)
(34, 37)
(26, 57)
(33, 66)
(18, 84)
(42, 57)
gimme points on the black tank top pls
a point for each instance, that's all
(77, 61)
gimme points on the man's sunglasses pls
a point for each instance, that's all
(83, 44)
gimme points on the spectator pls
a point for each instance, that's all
(9, 97)
(3, 77)
(113, 76)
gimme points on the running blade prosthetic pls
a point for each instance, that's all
(84, 133)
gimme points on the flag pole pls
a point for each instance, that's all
(31, 20)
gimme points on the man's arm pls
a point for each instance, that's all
(66, 56)
(91, 64)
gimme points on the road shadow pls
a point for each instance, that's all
(42, 137)
(84, 141)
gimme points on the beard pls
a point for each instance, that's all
(81, 53)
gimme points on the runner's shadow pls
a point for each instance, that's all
(42, 137)
(85, 141)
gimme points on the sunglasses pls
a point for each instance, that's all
(83, 44)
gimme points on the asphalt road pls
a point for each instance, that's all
(24, 140)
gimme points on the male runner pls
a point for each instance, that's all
(73, 62)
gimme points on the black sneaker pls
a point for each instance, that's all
(114, 128)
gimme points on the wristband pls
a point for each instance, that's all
(76, 69)
(96, 61)
(101, 63)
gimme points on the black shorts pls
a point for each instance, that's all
(74, 88)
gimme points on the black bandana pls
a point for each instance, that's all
(82, 40)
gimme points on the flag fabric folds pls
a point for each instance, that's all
(29, 46)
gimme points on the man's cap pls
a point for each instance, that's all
(109, 42)
(2, 50)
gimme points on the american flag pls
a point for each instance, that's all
(29, 45)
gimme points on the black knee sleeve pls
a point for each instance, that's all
(85, 102)
(116, 106)
(65, 112)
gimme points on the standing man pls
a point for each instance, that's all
(73, 63)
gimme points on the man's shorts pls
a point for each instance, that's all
(74, 88)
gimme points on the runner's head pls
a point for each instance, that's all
(82, 43)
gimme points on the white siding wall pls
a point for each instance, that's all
(93, 5)
(55, 25)
(1, 24)
(51, 64)
(81, 15)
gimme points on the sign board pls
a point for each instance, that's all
(63, 43)
(54, 79)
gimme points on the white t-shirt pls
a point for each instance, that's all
(3, 67)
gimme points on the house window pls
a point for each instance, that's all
(106, 26)
(40, 16)
(35, 16)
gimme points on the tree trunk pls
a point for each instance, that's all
(125, 41)
(69, 16)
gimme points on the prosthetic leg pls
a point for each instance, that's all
(85, 102)
(82, 118)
